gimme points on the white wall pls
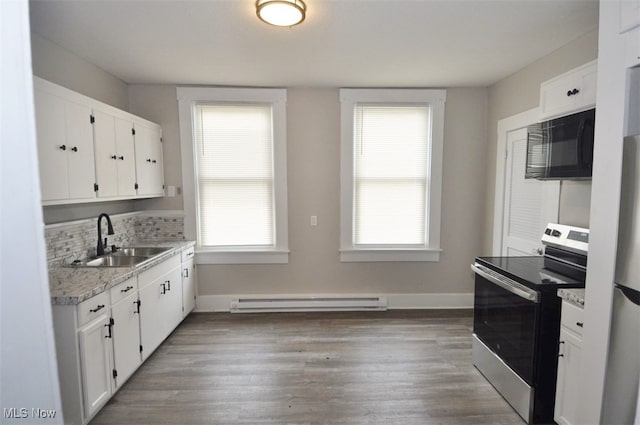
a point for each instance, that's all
(313, 153)
(29, 374)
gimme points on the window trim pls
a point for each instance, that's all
(435, 98)
(188, 97)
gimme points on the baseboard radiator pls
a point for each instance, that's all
(291, 304)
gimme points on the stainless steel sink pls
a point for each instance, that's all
(126, 257)
(116, 261)
(143, 251)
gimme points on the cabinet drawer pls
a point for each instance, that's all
(148, 276)
(572, 317)
(93, 307)
(188, 254)
(124, 289)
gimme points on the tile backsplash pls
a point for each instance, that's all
(77, 240)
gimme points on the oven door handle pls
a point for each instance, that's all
(508, 284)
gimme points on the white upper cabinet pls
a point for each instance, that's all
(114, 150)
(65, 148)
(570, 92)
(88, 150)
(149, 170)
(629, 15)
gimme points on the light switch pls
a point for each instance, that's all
(314, 220)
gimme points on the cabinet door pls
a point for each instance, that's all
(95, 360)
(80, 160)
(570, 92)
(126, 337)
(125, 152)
(52, 145)
(567, 387)
(149, 170)
(554, 97)
(173, 314)
(188, 287)
(586, 83)
(104, 133)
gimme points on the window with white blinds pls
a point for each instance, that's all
(391, 168)
(391, 174)
(235, 174)
(235, 199)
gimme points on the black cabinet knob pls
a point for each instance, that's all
(148, 159)
(154, 161)
(63, 147)
(74, 149)
(121, 158)
(114, 157)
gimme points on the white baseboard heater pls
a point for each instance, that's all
(291, 304)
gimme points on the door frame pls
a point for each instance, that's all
(506, 125)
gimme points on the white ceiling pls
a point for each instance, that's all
(342, 43)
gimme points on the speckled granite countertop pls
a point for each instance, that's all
(574, 296)
(72, 285)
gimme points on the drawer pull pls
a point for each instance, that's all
(137, 304)
(98, 308)
(164, 288)
(580, 324)
(168, 282)
(127, 289)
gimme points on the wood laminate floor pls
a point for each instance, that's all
(350, 368)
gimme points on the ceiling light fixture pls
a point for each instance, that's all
(281, 13)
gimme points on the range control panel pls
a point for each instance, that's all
(571, 238)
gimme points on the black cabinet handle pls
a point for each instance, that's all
(109, 326)
(164, 289)
(186, 272)
(98, 308)
(74, 149)
(148, 159)
(580, 324)
(168, 282)
(154, 161)
(114, 157)
(121, 158)
(560, 355)
(127, 289)
(573, 92)
(63, 147)
(137, 303)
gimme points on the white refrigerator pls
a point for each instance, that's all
(623, 365)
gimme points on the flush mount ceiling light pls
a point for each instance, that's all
(281, 13)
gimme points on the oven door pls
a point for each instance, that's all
(506, 319)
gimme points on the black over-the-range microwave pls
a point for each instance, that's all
(561, 148)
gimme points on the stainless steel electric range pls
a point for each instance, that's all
(516, 322)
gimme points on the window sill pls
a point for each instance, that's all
(389, 255)
(209, 256)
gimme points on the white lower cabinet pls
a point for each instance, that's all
(102, 341)
(95, 362)
(569, 360)
(161, 303)
(188, 282)
(126, 330)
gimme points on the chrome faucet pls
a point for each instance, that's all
(100, 247)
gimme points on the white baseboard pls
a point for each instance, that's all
(222, 303)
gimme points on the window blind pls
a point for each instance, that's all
(391, 172)
(235, 174)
